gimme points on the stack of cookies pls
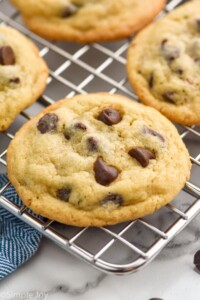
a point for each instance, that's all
(101, 159)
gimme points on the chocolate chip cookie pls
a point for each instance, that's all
(97, 159)
(23, 74)
(164, 64)
(87, 20)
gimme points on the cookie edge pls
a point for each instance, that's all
(104, 35)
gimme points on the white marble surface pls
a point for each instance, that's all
(54, 274)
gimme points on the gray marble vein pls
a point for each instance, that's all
(65, 289)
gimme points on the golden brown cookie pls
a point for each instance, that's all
(164, 64)
(88, 20)
(23, 74)
(97, 159)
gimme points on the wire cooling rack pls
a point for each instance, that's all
(126, 247)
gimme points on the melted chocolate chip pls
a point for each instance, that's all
(15, 80)
(67, 135)
(110, 116)
(150, 131)
(151, 81)
(63, 194)
(169, 97)
(169, 52)
(7, 56)
(71, 131)
(104, 174)
(70, 10)
(175, 53)
(92, 144)
(198, 23)
(80, 126)
(142, 155)
(155, 299)
(179, 71)
(47, 123)
(197, 260)
(163, 43)
(112, 198)
(197, 60)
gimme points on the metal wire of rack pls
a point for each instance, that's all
(126, 247)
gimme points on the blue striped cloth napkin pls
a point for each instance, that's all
(18, 241)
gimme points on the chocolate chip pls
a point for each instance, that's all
(198, 23)
(70, 10)
(63, 194)
(163, 42)
(47, 123)
(151, 81)
(169, 97)
(197, 260)
(112, 198)
(142, 155)
(7, 56)
(70, 131)
(67, 135)
(169, 52)
(92, 144)
(110, 116)
(104, 174)
(175, 53)
(80, 126)
(15, 80)
(179, 71)
(150, 131)
(197, 60)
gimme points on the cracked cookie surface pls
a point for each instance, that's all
(88, 20)
(164, 64)
(23, 74)
(97, 159)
